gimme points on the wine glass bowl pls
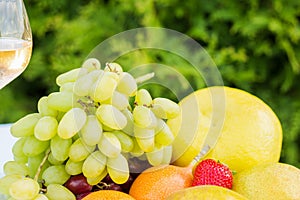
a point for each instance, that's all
(15, 40)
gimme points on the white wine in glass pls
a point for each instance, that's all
(15, 40)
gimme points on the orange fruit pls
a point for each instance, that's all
(159, 182)
(108, 195)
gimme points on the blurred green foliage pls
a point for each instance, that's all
(255, 44)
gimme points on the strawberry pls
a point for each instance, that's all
(211, 172)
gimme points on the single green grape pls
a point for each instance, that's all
(94, 165)
(165, 108)
(104, 87)
(41, 197)
(97, 179)
(110, 116)
(91, 64)
(60, 148)
(91, 132)
(144, 117)
(73, 168)
(118, 169)
(14, 167)
(61, 101)
(33, 146)
(70, 76)
(109, 145)
(79, 151)
(127, 84)
(46, 128)
(59, 192)
(55, 174)
(25, 126)
(71, 123)
(24, 189)
(17, 148)
(143, 98)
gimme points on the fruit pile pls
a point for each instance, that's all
(88, 128)
(100, 137)
(242, 165)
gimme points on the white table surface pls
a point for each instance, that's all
(6, 143)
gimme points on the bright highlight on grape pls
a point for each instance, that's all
(88, 128)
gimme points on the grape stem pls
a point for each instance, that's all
(102, 185)
(43, 190)
(41, 165)
(84, 105)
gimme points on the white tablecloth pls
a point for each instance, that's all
(6, 143)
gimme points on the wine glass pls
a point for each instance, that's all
(15, 40)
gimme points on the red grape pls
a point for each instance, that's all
(107, 179)
(137, 166)
(78, 184)
(114, 186)
(80, 196)
(126, 186)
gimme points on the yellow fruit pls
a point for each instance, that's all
(159, 182)
(270, 181)
(108, 195)
(206, 192)
(249, 131)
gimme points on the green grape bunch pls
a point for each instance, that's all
(87, 127)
